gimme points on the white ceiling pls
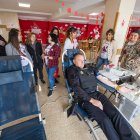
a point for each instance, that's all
(51, 10)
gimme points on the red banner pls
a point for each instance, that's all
(43, 28)
(38, 27)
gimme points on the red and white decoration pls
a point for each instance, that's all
(43, 28)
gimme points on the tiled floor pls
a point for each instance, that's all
(58, 126)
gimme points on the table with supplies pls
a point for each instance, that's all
(116, 74)
(129, 103)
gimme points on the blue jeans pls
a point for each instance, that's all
(50, 72)
(100, 62)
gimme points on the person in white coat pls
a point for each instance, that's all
(71, 41)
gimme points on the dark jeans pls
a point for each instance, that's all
(100, 62)
(39, 67)
(110, 120)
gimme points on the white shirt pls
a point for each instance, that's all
(70, 45)
(23, 50)
(107, 49)
(46, 52)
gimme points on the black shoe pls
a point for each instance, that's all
(50, 93)
(43, 81)
(53, 87)
(36, 83)
(56, 81)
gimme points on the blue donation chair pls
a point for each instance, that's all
(74, 108)
(20, 117)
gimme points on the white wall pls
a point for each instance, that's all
(10, 20)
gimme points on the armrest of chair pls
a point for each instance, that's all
(106, 86)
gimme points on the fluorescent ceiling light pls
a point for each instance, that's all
(93, 14)
(79, 17)
(74, 21)
(27, 5)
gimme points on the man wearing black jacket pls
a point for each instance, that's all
(82, 81)
(35, 50)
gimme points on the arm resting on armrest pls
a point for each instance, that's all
(106, 81)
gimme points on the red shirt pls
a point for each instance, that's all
(55, 53)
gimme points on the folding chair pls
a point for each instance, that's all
(20, 116)
(81, 114)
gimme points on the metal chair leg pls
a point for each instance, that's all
(92, 129)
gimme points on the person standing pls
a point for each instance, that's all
(107, 50)
(52, 54)
(130, 55)
(55, 31)
(71, 41)
(35, 49)
(2, 46)
(15, 47)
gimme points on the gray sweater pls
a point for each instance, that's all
(10, 50)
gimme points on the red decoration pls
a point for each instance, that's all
(123, 22)
(76, 13)
(28, 26)
(102, 14)
(97, 19)
(63, 4)
(87, 17)
(69, 10)
(57, 0)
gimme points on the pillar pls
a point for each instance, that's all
(117, 16)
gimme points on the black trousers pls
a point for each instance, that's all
(110, 120)
(39, 67)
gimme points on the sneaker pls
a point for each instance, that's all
(43, 81)
(50, 93)
(53, 87)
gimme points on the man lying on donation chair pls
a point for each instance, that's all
(97, 106)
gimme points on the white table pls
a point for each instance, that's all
(115, 74)
(129, 103)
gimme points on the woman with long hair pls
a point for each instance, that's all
(35, 49)
(15, 47)
(71, 41)
(52, 54)
(107, 50)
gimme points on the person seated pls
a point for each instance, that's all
(96, 105)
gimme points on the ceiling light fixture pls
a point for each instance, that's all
(93, 14)
(27, 5)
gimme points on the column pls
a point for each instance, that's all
(117, 16)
